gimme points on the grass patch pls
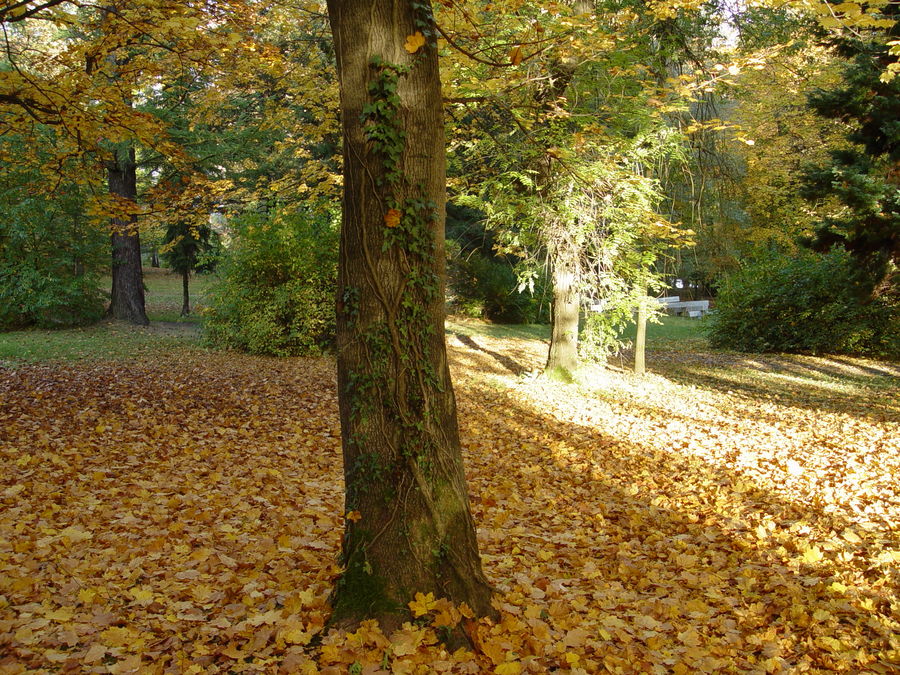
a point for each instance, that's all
(105, 340)
(499, 331)
(674, 332)
(163, 294)
(116, 340)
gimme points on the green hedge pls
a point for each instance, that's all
(803, 304)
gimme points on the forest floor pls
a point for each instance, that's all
(180, 511)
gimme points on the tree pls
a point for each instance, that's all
(565, 128)
(864, 178)
(83, 69)
(51, 256)
(184, 246)
(409, 528)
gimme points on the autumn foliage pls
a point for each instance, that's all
(183, 515)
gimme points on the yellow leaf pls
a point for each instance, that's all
(515, 55)
(414, 42)
(61, 614)
(689, 637)
(406, 641)
(813, 555)
(75, 534)
(355, 516)
(87, 595)
(511, 668)
(296, 636)
(422, 604)
(142, 596)
(95, 653)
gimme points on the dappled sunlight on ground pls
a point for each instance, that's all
(184, 515)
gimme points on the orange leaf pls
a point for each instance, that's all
(391, 219)
(515, 55)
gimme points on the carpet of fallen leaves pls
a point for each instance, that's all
(183, 516)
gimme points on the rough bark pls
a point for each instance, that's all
(127, 296)
(563, 358)
(185, 294)
(410, 528)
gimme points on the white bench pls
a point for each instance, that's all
(692, 308)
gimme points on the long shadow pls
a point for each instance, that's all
(509, 363)
(745, 375)
(549, 491)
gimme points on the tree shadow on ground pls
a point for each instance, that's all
(859, 388)
(507, 362)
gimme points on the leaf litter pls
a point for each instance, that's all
(184, 515)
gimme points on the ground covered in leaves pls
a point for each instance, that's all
(727, 514)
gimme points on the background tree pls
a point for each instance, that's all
(409, 526)
(559, 150)
(864, 178)
(83, 70)
(51, 255)
(185, 248)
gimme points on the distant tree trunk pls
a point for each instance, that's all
(563, 358)
(564, 255)
(186, 298)
(640, 339)
(409, 527)
(127, 301)
(154, 258)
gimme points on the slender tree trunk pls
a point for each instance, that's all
(127, 301)
(154, 258)
(640, 340)
(186, 297)
(563, 358)
(409, 527)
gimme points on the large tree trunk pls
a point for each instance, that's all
(409, 527)
(127, 301)
(563, 359)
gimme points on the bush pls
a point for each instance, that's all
(50, 258)
(487, 288)
(804, 304)
(276, 290)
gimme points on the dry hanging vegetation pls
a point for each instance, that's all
(183, 516)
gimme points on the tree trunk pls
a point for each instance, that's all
(563, 359)
(186, 302)
(640, 339)
(409, 527)
(154, 258)
(127, 301)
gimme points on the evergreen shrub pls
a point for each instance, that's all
(806, 303)
(487, 288)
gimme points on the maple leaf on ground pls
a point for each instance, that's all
(682, 540)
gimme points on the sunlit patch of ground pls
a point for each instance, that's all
(724, 514)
